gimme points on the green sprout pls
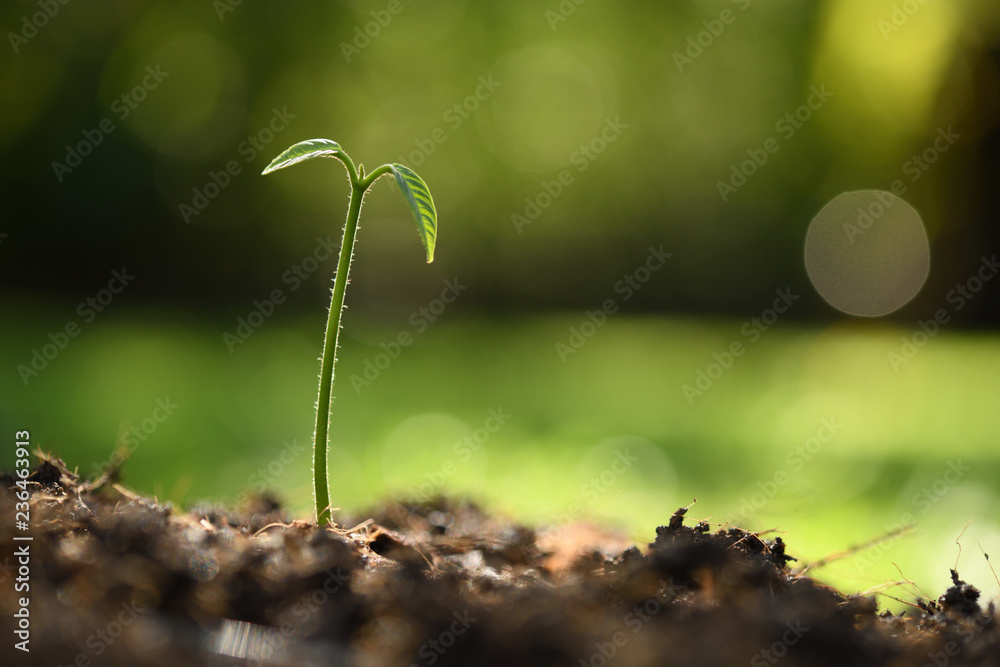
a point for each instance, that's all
(418, 196)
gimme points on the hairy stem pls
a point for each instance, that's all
(321, 439)
(375, 175)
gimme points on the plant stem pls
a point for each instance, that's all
(359, 184)
(321, 443)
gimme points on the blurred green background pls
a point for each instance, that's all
(562, 141)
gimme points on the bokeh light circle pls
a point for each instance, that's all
(867, 253)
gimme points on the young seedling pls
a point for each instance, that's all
(418, 196)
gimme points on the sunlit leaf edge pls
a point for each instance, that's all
(302, 151)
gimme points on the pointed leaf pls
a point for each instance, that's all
(418, 196)
(302, 151)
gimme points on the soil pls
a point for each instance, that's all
(119, 579)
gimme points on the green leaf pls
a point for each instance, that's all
(302, 151)
(418, 196)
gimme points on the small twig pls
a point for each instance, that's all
(737, 541)
(125, 492)
(772, 530)
(426, 559)
(883, 586)
(915, 587)
(893, 597)
(987, 556)
(350, 531)
(270, 525)
(960, 544)
(107, 478)
(840, 555)
(328, 514)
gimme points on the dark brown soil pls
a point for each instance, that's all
(117, 579)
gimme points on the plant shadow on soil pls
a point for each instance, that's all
(118, 579)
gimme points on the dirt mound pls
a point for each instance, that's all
(117, 579)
